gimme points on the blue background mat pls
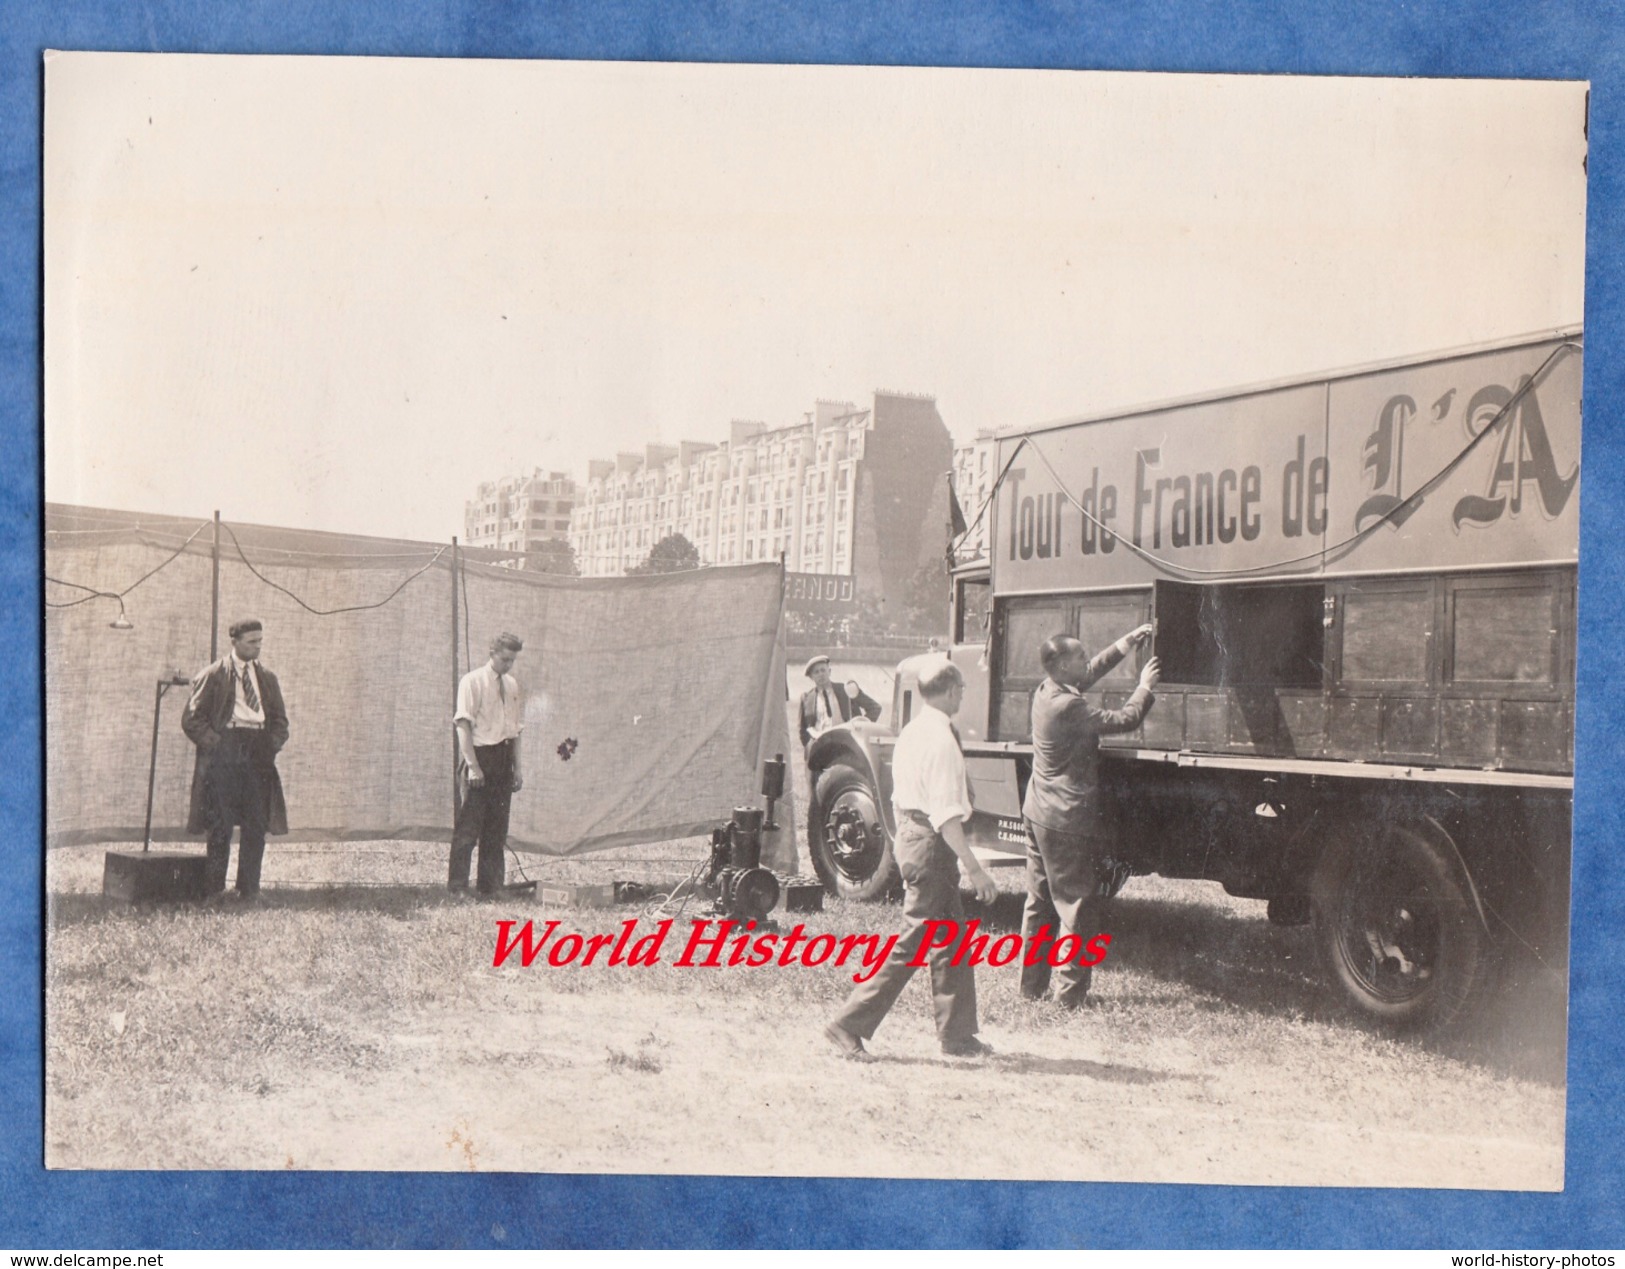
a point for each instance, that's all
(1434, 38)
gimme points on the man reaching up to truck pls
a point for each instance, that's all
(1068, 834)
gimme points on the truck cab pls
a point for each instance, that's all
(851, 819)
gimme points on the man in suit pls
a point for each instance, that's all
(236, 718)
(1068, 835)
(827, 704)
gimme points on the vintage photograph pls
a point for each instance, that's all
(809, 621)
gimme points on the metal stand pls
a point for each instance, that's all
(164, 684)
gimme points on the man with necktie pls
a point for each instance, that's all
(932, 801)
(236, 718)
(489, 720)
(827, 704)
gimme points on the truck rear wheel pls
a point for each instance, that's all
(847, 837)
(1397, 928)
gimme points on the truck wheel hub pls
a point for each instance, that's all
(855, 838)
(1401, 942)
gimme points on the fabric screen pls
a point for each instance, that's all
(671, 686)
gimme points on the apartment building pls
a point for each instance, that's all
(519, 512)
(973, 485)
(851, 489)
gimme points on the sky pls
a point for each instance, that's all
(339, 293)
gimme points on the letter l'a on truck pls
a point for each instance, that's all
(1363, 591)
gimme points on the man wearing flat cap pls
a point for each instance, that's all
(828, 704)
(236, 718)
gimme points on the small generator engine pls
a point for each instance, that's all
(740, 888)
(734, 877)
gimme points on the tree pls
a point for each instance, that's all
(672, 554)
(552, 555)
(837, 627)
(925, 599)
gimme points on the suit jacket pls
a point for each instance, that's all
(206, 716)
(843, 705)
(1063, 791)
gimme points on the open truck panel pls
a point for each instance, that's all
(1363, 588)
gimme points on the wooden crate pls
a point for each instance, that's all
(154, 877)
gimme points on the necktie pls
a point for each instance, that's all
(957, 740)
(829, 706)
(250, 696)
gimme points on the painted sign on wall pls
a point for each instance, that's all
(820, 592)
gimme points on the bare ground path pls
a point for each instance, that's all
(366, 1028)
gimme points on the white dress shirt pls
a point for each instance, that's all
(928, 769)
(828, 713)
(241, 715)
(494, 711)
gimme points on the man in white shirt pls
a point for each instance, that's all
(489, 720)
(932, 801)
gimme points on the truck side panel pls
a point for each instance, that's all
(1319, 478)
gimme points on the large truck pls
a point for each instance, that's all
(1363, 592)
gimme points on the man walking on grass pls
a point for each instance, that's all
(932, 801)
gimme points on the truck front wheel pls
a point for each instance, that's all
(1397, 928)
(847, 838)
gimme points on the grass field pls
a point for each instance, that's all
(354, 1020)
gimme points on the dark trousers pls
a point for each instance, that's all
(930, 893)
(483, 819)
(1063, 892)
(236, 794)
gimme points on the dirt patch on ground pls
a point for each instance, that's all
(712, 1087)
(355, 1028)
